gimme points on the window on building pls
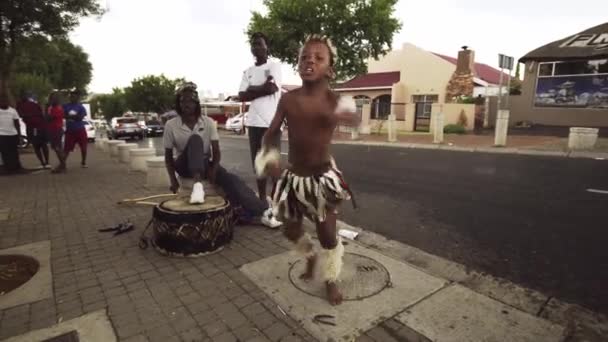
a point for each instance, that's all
(573, 84)
(381, 107)
(425, 98)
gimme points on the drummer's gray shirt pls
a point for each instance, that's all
(176, 134)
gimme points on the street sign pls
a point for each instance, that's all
(505, 62)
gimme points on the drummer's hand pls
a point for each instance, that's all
(174, 186)
(211, 174)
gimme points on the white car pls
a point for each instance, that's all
(91, 131)
(236, 123)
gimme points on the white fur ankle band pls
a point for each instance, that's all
(304, 246)
(331, 262)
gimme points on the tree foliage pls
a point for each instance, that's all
(152, 93)
(63, 64)
(24, 19)
(358, 28)
(110, 105)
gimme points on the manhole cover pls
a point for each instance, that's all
(361, 277)
(16, 270)
(72, 336)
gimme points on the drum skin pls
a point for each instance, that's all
(185, 230)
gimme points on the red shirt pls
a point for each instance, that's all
(31, 113)
(55, 114)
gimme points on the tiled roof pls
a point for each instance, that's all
(372, 80)
(482, 71)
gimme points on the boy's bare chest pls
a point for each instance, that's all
(315, 112)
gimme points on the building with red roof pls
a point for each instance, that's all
(408, 82)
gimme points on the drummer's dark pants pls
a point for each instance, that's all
(193, 159)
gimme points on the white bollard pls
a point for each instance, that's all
(124, 152)
(156, 173)
(438, 127)
(582, 138)
(105, 146)
(138, 157)
(502, 127)
(113, 147)
(100, 143)
(392, 128)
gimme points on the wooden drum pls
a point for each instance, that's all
(183, 229)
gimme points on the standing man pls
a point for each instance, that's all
(9, 136)
(261, 86)
(31, 113)
(75, 131)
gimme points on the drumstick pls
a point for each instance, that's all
(145, 203)
(130, 200)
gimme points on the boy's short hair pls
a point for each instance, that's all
(317, 38)
(257, 35)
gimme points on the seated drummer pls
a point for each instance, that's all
(194, 138)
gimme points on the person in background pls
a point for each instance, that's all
(31, 113)
(9, 136)
(261, 85)
(75, 130)
(54, 118)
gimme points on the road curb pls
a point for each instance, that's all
(493, 150)
(581, 324)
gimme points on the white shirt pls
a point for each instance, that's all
(262, 110)
(7, 121)
(177, 133)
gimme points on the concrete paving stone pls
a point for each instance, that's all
(365, 338)
(242, 300)
(115, 292)
(91, 307)
(191, 297)
(68, 315)
(263, 320)
(128, 330)
(292, 338)
(277, 331)
(40, 323)
(234, 319)
(205, 317)
(183, 325)
(226, 337)
(380, 334)
(457, 313)
(13, 330)
(259, 339)
(87, 284)
(254, 309)
(136, 287)
(246, 332)
(197, 307)
(110, 284)
(137, 338)
(160, 333)
(193, 335)
(215, 328)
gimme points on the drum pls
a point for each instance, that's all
(190, 230)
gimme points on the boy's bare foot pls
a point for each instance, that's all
(310, 268)
(334, 296)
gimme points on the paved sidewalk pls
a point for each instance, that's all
(149, 297)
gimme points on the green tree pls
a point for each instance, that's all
(358, 29)
(39, 85)
(516, 83)
(23, 19)
(63, 64)
(110, 105)
(152, 93)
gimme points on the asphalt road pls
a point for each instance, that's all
(528, 219)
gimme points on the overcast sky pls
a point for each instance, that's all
(204, 41)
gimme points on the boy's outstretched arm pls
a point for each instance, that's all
(275, 125)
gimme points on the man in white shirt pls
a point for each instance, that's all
(9, 136)
(261, 86)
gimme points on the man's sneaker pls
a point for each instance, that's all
(198, 194)
(269, 220)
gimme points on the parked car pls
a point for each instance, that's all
(125, 128)
(236, 123)
(154, 128)
(91, 131)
